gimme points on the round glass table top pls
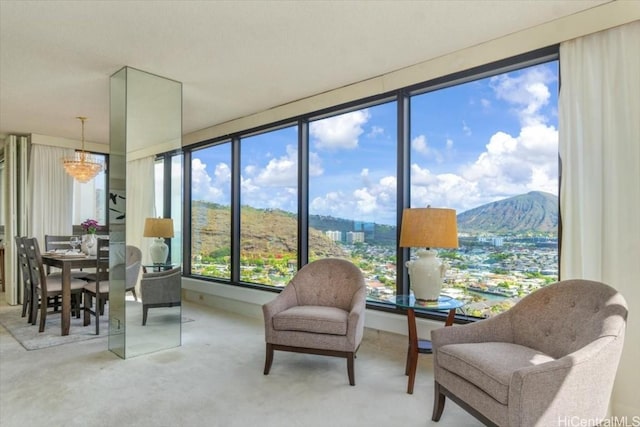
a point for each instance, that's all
(444, 302)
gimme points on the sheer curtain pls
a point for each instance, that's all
(140, 202)
(51, 192)
(599, 123)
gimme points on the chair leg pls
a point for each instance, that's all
(438, 402)
(268, 359)
(87, 310)
(135, 297)
(43, 313)
(145, 310)
(350, 371)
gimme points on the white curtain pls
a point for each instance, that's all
(140, 202)
(15, 206)
(51, 192)
(599, 125)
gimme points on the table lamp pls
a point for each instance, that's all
(428, 228)
(160, 229)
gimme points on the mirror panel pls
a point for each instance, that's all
(146, 120)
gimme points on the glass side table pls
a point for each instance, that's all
(146, 268)
(416, 345)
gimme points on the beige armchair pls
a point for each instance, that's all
(160, 289)
(321, 311)
(548, 361)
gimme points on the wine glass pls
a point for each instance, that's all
(74, 241)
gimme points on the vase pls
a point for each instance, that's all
(89, 244)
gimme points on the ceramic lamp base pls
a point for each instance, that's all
(426, 274)
(159, 251)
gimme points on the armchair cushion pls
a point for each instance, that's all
(490, 365)
(312, 318)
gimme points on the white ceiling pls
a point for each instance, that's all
(234, 58)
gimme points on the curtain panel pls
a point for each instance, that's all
(599, 132)
(51, 192)
(141, 201)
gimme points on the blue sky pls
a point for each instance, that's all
(470, 144)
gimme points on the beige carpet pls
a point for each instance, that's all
(215, 379)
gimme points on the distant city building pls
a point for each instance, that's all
(336, 236)
(494, 240)
(355, 237)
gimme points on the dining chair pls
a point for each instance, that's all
(27, 290)
(46, 287)
(98, 289)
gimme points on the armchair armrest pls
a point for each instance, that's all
(284, 300)
(497, 329)
(538, 395)
(355, 321)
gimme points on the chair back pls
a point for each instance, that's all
(52, 243)
(565, 316)
(34, 257)
(102, 262)
(162, 287)
(338, 280)
(23, 261)
(134, 263)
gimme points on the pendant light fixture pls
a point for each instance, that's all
(82, 166)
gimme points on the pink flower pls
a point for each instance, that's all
(90, 226)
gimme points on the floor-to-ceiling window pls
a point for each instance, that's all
(211, 211)
(352, 192)
(90, 198)
(268, 207)
(331, 183)
(489, 149)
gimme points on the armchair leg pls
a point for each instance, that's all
(438, 402)
(268, 359)
(350, 357)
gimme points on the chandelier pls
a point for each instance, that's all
(82, 166)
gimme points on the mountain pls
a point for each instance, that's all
(268, 232)
(532, 212)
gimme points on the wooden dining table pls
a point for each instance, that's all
(66, 263)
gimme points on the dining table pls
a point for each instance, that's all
(66, 262)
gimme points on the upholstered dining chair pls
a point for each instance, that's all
(321, 311)
(46, 287)
(160, 289)
(550, 359)
(98, 289)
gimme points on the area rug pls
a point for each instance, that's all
(29, 337)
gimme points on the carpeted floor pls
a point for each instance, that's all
(215, 379)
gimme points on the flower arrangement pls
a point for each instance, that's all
(90, 226)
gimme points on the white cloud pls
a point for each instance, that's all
(339, 132)
(203, 187)
(280, 172)
(420, 145)
(528, 93)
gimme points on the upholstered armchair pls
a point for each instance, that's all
(321, 311)
(160, 289)
(548, 361)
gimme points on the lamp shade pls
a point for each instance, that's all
(429, 228)
(158, 227)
